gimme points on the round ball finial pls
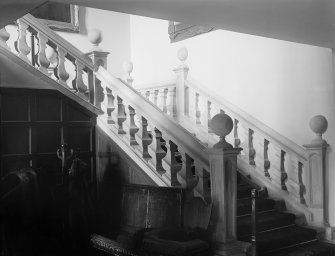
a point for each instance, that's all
(222, 124)
(95, 36)
(128, 66)
(182, 54)
(318, 125)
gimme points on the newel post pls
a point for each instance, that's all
(223, 173)
(99, 58)
(316, 172)
(181, 76)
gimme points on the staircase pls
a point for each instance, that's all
(152, 132)
(277, 232)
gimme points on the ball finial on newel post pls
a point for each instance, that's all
(128, 68)
(95, 37)
(182, 56)
(222, 124)
(318, 125)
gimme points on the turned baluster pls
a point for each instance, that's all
(42, 59)
(204, 112)
(62, 74)
(78, 81)
(98, 93)
(302, 187)
(252, 151)
(192, 177)
(52, 57)
(121, 115)
(160, 153)
(133, 129)
(172, 107)
(283, 174)
(21, 44)
(146, 139)
(110, 105)
(162, 95)
(153, 97)
(267, 162)
(4, 36)
(237, 140)
(175, 163)
(197, 109)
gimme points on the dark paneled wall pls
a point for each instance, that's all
(34, 124)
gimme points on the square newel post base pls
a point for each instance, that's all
(233, 248)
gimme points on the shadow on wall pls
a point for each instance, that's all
(110, 192)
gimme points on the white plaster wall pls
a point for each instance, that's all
(115, 31)
(282, 84)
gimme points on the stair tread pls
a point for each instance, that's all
(283, 237)
(265, 221)
(310, 249)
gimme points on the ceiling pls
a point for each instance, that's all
(304, 21)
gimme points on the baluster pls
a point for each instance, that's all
(162, 95)
(204, 112)
(192, 178)
(33, 53)
(175, 163)
(160, 153)
(62, 74)
(172, 106)
(121, 115)
(98, 93)
(4, 36)
(21, 44)
(78, 82)
(209, 116)
(187, 101)
(42, 59)
(133, 129)
(153, 97)
(283, 176)
(192, 104)
(147, 93)
(237, 140)
(110, 105)
(252, 151)
(52, 57)
(146, 139)
(274, 155)
(197, 109)
(302, 188)
(267, 162)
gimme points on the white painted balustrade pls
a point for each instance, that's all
(43, 49)
(175, 156)
(289, 171)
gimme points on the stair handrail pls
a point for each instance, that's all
(153, 114)
(251, 121)
(57, 39)
(49, 53)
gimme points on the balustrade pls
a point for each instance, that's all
(268, 157)
(297, 172)
(43, 49)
